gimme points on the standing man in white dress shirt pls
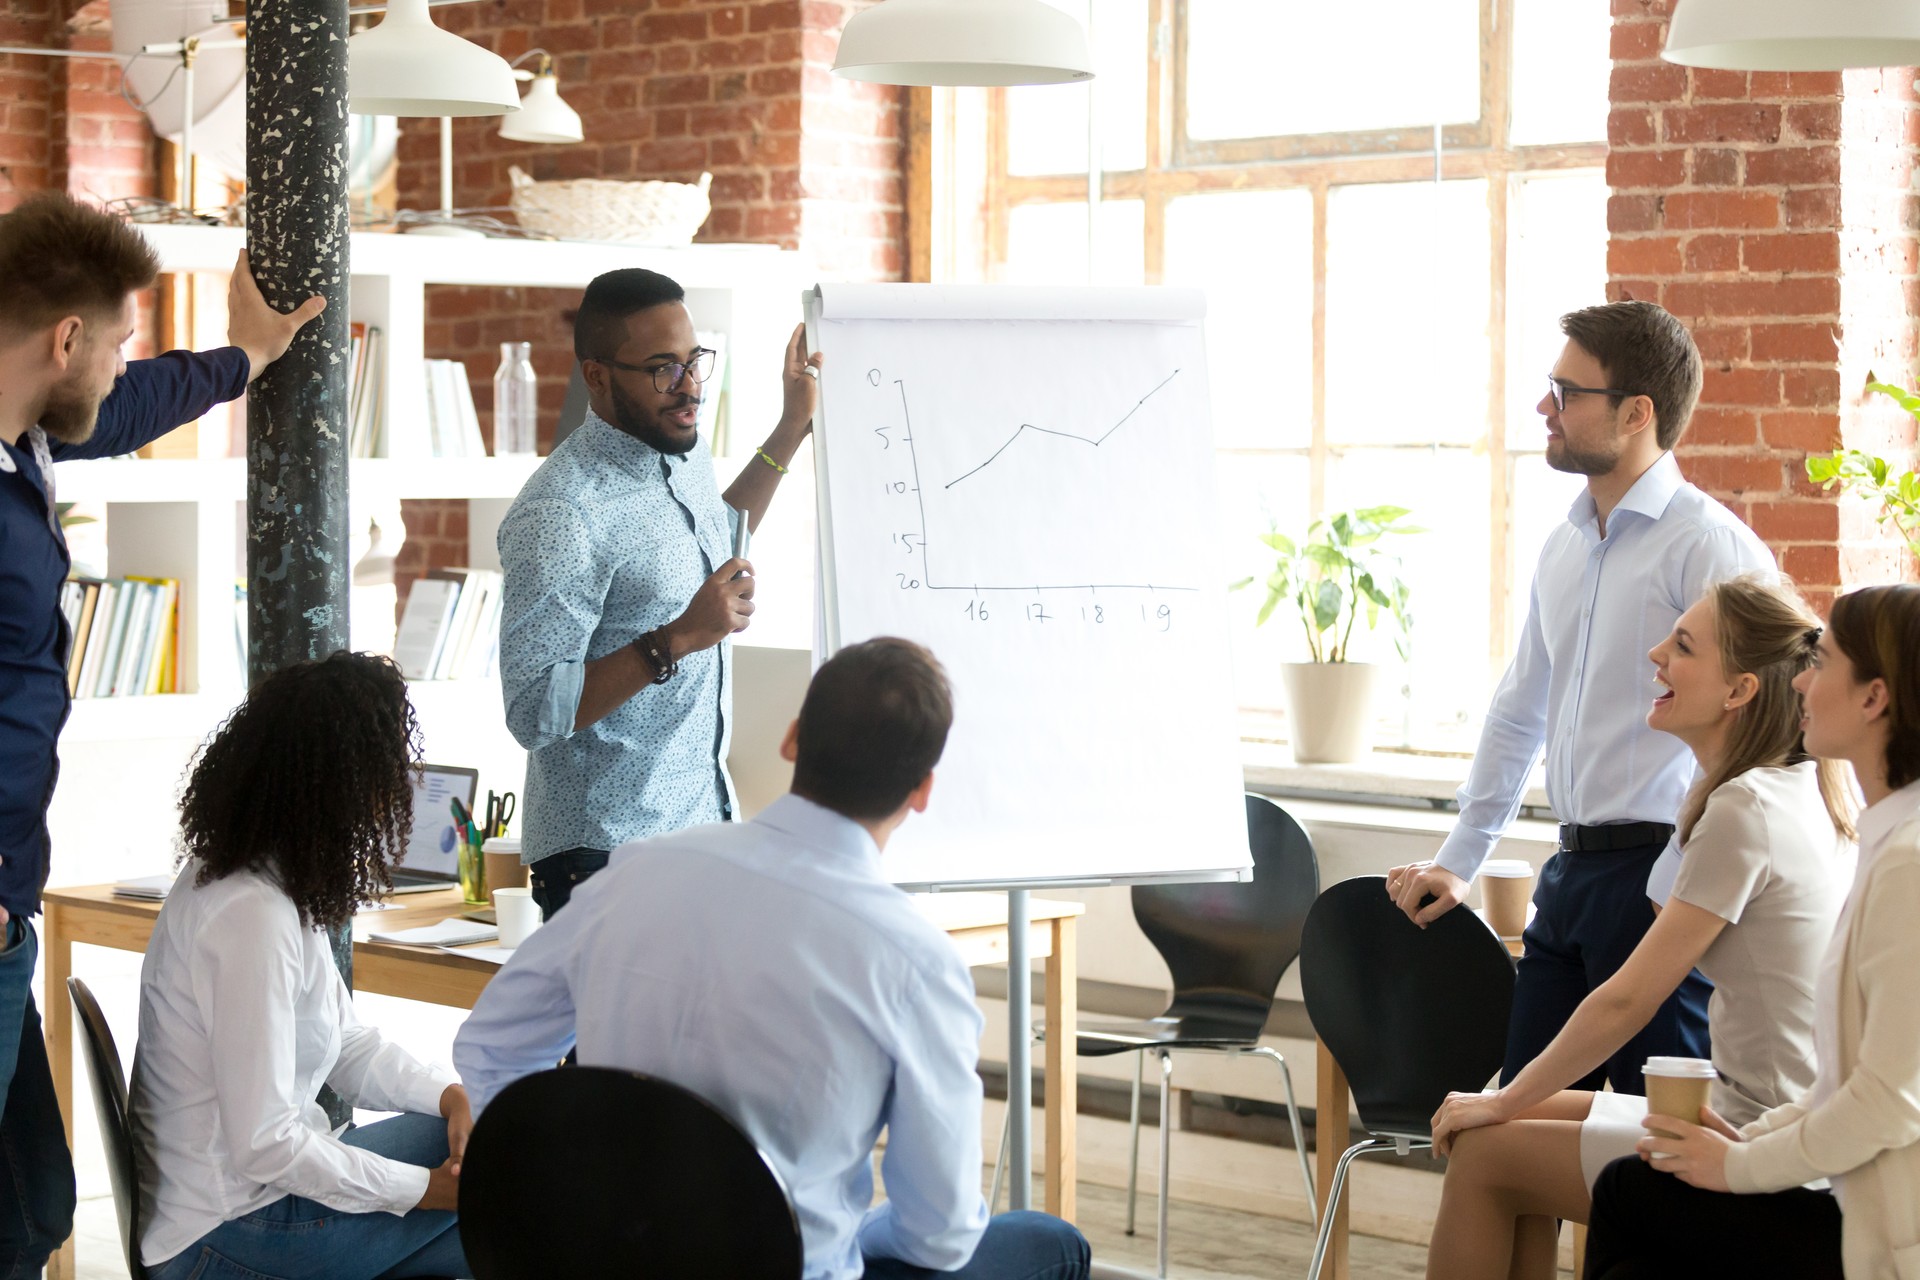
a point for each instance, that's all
(1639, 546)
(771, 968)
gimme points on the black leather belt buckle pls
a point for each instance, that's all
(1617, 835)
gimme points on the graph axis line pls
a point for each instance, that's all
(1096, 442)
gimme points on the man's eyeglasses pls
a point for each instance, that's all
(668, 377)
(1559, 389)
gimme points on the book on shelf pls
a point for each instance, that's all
(127, 639)
(450, 628)
(366, 349)
(453, 421)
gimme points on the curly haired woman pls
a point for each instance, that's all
(292, 815)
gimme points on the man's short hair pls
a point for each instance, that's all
(600, 326)
(872, 727)
(1645, 352)
(61, 258)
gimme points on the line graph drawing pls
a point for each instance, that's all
(1095, 441)
(923, 540)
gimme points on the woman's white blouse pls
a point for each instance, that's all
(242, 1018)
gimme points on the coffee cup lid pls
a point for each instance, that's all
(501, 844)
(1506, 868)
(1681, 1068)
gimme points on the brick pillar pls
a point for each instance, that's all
(1728, 209)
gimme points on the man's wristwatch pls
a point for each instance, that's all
(653, 646)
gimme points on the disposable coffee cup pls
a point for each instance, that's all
(1506, 887)
(504, 868)
(1678, 1087)
(517, 914)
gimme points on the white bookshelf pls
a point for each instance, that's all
(185, 518)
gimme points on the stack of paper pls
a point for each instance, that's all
(451, 932)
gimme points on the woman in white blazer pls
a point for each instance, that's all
(1829, 1185)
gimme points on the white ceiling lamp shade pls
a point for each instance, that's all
(964, 42)
(406, 66)
(544, 115)
(1794, 35)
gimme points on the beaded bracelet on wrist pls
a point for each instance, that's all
(654, 647)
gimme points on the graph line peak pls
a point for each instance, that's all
(1095, 441)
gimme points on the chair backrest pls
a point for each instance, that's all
(584, 1171)
(1227, 943)
(116, 1131)
(1410, 1014)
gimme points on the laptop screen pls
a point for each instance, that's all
(433, 846)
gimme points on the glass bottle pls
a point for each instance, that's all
(516, 401)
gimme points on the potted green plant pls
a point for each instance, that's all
(1331, 579)
(1862, 474)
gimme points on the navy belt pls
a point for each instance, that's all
(1614, 836)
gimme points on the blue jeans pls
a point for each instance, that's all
(36, 1169)
(1017, 1246)
(297, 1239)
(1593, 911)
(554, 878)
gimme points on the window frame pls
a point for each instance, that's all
(1177, 165)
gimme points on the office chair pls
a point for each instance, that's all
(116, 1132)
(1226, 945)
(1410, 1015)
(584, 1171)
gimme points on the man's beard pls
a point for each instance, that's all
(1580, 462)
(644, 425)
(70, 414)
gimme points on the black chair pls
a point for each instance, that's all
(1410, 1015)
(1226, 945)
(110, 1104)
(587, 1171)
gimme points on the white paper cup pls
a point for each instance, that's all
(1506, 887)
(517, 914)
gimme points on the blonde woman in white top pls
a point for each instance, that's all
(1858, 1127)
(291, 817)
(1762, 873)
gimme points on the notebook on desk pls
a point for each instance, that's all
(432, 858)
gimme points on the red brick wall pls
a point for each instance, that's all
(1727, 209)
(741, 89)
(26, 90)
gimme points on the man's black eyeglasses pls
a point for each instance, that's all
(1560, 389)
(668, 377)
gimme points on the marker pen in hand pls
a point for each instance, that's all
(740, 536)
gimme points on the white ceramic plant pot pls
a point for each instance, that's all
(1331, 709)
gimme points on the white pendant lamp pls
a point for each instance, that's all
(964, 42)
(406, 66)
(1794, 35)
(544, 115)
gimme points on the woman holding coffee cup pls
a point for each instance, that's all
(1763, 835)
(1828, 1185)
(292, 815)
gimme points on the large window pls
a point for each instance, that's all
(1388, 204)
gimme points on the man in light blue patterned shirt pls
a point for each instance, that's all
(621, 587)
(771, 968)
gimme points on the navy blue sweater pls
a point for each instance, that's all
(150, 399)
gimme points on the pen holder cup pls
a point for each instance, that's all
(473, 876)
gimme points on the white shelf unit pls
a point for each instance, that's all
(185, 518)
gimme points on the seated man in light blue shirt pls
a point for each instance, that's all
(772, 969)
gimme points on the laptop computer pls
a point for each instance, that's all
(432, 858)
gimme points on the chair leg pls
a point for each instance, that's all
(1133, 1129)
(1166, 1149)
(1000, 1163)
(1327, 1210)
(1299, 1134)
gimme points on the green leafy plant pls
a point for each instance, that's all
(1336, 574)
(67, 519)
(1862, 474)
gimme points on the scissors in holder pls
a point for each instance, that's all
(499, 812)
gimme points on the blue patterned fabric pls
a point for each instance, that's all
(611, 538)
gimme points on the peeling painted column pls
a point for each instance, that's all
(298, 573)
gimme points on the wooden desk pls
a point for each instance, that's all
(1331, 1098)
(977, 923)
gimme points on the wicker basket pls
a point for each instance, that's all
(663, 213)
